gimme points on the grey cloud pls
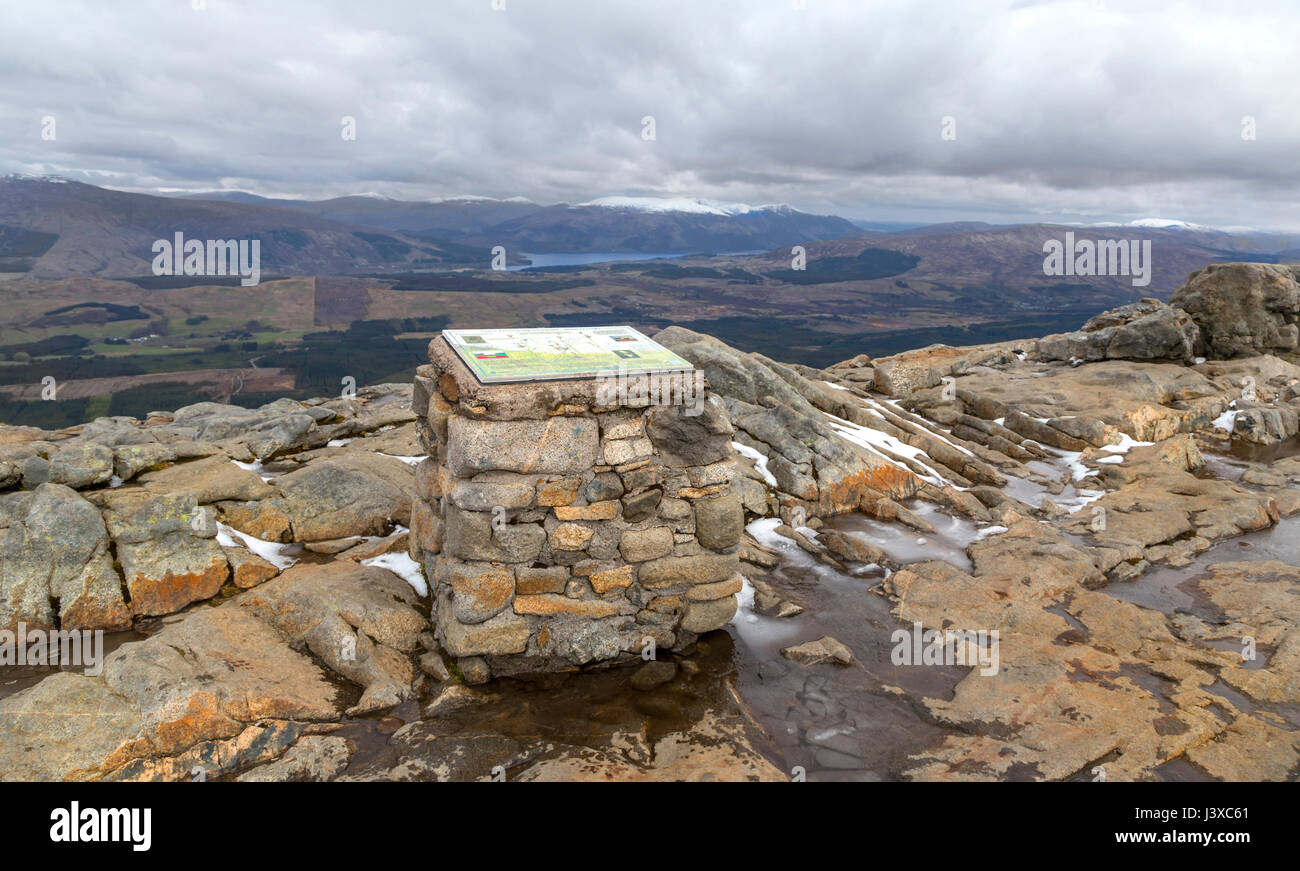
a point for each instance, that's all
(1065, 110)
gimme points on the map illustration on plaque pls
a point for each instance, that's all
(551, 354)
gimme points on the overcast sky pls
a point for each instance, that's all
(1064, 110)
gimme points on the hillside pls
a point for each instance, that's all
(623, 225)
(438, 219)
(99, 232)
(1002, 267)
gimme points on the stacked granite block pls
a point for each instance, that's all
(563, 524)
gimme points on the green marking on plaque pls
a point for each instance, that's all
(503, 356)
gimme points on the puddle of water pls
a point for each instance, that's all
(1244, 703)
(1164, 589)
(1222, 466)
(14, 678)
(1033, 492)
(1243, 450)
(1026, 490)
(519, 720)
(1182, 771)
(948, 542)
(1168, 589)
(1233, 645)
(839, 722)
(1172, 590)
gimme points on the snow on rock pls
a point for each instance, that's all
(760, 461)
(275, 554)
(1226, 421)
(401, 564)
(410, 461)
(256, 467)
(879, 443)
(1127, 443)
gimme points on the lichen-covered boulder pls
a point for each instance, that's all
(1243, 308)
(55, 562)
(1146, 330)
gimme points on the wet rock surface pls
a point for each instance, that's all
(1124, 519)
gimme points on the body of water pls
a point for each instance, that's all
(578, 259)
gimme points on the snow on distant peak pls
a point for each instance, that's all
(680, 204)
(1167, 224)
(471, 198)
(27, 176)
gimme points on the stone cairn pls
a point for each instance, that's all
(567, 523)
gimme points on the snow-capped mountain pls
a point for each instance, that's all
(685, 205)
(1170, 224)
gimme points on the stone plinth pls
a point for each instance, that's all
(565, 523)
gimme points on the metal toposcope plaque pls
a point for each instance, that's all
(552, 354)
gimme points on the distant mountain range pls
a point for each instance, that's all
(56, 229)
(440, 219)
(52, 228)
(990, 265)
(626, 224)
(619, 225)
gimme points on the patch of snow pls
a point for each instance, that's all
(338, 443)
(877, 442)
(764, 532)
(1082, 499)
(1226, 421)
(115, 481)
(271, 551)
(255, 466)
(1110, 460)
(1199, 360)
(745, 602)
(1127, 443)
(836, 386)
(1073, 462)
(990, 530)
(872, 406)
(760, 461)
(401, 564)
(410, 461)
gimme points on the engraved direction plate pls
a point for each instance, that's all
(553, 354)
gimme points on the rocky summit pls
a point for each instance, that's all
(1072, 557)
